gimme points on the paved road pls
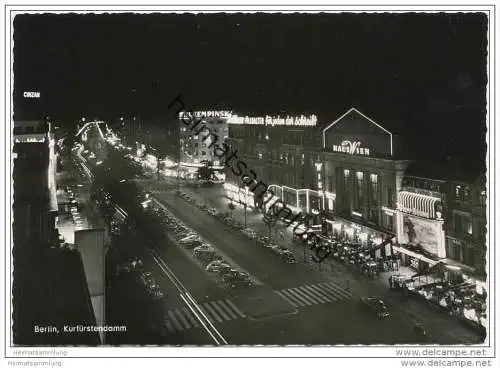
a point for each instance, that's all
(281, 276)
(298, 304)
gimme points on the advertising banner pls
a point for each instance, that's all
(419, 231)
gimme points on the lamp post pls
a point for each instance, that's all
(245, 205)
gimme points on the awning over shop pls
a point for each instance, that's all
(414, 255)
(417, 204)
(384, 243)
(438, 268)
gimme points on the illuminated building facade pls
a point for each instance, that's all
(363, 167)
(35, 201)
(199, 132)
(345, 174)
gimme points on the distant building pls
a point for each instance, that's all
(199, 132)
(35, 201)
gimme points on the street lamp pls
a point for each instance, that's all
(246, 199)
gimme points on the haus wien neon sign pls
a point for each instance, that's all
(351, 147)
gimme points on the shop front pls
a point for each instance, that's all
(367, 237)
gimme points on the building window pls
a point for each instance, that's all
(374, 188)
(346, 180)
(196, 145)
(390, 222)
(466, 192)
(458, 191)
(482, 198)
(389, 197)
(260, 155)
(302, 159)
(203, 153)
(359, 189)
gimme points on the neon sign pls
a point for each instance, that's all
(301, 120)
(31, 94)
(351, 147)
(30, 138)
(205, 114)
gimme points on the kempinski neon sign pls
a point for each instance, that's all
(351, 147)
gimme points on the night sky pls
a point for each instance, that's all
(422, 76)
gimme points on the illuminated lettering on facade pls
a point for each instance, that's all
(301, 120)
(352, 148)
(31, 94)
(30, 138)
(205, 114)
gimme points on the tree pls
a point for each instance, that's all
(270, 221)
(231, 207)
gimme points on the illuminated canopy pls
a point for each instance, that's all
(417, 204)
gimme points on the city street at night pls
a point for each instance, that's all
(286, 182)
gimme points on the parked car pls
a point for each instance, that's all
(213, 211)
(224, 269)
(288, 257)
(204, 248)
(215, 266)
(155, 292)
(278, 249)
(249, 232)
(230, 274)
(191, 237)
(377, 305)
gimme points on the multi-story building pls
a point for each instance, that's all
(281, 151)
(466, 225)
(346, 173)
(363, 168)
(196, 140)
(35, 201)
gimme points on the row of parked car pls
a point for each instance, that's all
(213, 262)
(136, 266)
(73, 209)
(284, 253)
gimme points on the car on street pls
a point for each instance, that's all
(240, 282)
(213, 211)
(376, 305)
